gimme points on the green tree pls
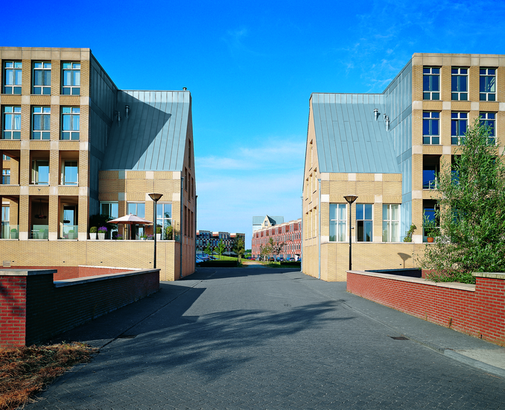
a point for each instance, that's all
(471, 211)
(220, 248)
(208, 249)
(275, 247)
(239, 249)
(264, 251)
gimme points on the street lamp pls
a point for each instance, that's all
(155, 198)
(350, 199)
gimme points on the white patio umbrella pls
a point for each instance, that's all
(130, 220)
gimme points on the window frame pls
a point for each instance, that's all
(486, 120)
(458, 75)
(165, 222)
(429, 74)
(337, 222)
(431, 117)
(73, 114)
(64, 172)
(17, 77)
(366, 222)
(6, 176)
(45, 88)
(457, 119)
(387, 223)
(14, 133)
(45, 115)
(37, 163)
(72, 88)
(485, 74)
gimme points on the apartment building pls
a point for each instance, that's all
(385, 149)
(288, 233)
(212, 239)
(73, 145)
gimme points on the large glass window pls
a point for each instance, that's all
(41, 78)
(431, 167)
(431, 134)
(12, 77)
(164, 220)
(109, 209)
(69, 173)
(41, 123)
(70, 117)
(4, 234)
(487, 84)
(71, 84)
(459, 84)
(6, 176)
(488, 119)
(139, 209)
(11, 129)
(364, 222)
(459, 122)
(390, 223)
(431, 83)
(40, 172)
(338, 218)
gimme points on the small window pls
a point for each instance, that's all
(431, 83)
(488, 119)
(41, 123)
(41, 78)
(164, 220)
(40, 172)
(6, 176)
(109, 209)
(338, 218)
(390, 223)
(71, 84)
(70, 123)
(364, 222)
(487, 84)
(459, 122)
(69, 173)
(12, 77)
(431, 134)
(11, 123)
(459, 84)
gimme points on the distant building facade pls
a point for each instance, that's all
(289, 233)
(205, 239)
(266, 221)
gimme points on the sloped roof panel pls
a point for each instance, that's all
(349, 138)
(153, 135)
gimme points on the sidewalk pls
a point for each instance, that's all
(466, 349)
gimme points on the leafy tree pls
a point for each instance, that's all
(264, 251)
(209, 249)
(239, 249)
(220, 248)
(275, 248)
(471, 211)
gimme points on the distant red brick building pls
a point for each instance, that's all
(289, 233)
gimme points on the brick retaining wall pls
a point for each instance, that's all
(477, 310)
(34, 308)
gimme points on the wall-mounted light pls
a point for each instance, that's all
(127, 110)
(376, 113)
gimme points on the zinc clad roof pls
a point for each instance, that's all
(349, 138)
(152, 136)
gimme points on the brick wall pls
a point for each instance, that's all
(33, 308)
(477, 310)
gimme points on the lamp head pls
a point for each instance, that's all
(155, 197)
(350, 198)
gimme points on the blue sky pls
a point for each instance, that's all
(251, 67)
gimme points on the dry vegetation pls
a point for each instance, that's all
(24, 371)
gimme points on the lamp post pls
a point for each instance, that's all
(350, 199)
(155, 198)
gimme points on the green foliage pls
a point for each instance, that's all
(239, 249)
(93, 229)
(471, 211)
(220, 248)
(169, 233)
(410, 232)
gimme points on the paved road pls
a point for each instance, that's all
(271, 339)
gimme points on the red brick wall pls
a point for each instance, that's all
(478, 311)
(33, 308)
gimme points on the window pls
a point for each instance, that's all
(137, 208)
(431, 167)
(364, 222)
(459, 84)
(41, 78)
(41, 123)
(12, 77)
(487, 119)
(431, 83)
(11, 123)
(459, 122)
(109, 209)
(71, 84)
(4, 233)
(69, 173)
(390, 223)
(6, 176)
(70, 123)
(338, 218)
(487, 84)
(40, 172)
(429, 213)
(431, 127)
(164, 219)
